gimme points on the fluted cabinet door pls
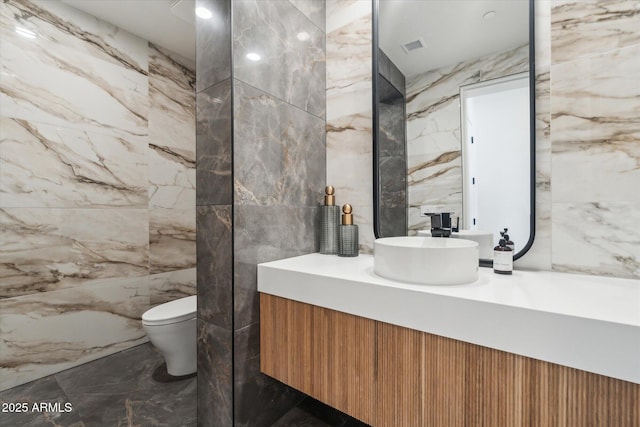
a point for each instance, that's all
(390, 376)
(324, 353)
(399, 389)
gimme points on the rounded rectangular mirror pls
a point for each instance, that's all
(454, 119)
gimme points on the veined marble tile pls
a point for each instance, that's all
(165, 287)
(172, 184)
(342, 13)
(349, 111)
(215, 264)
(172, 239)
(349, 80)
(314, 10)
(58, 25)
(48, 249)
(290, 68)
(66, 88)
(213, 44)
(283, 231)
(350, 159)
(542, 33)
(433, 129)
(215, 375)
(363, 218)
(214, 145)
(127, 388)
(44, 389)
(595, 124)
(539, 255)
(172, 139)
(48, 332)
(47, 166)
(597, 238)
(279, 151)
(429, 91)
(590, 27)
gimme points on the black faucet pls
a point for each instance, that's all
(441, 224)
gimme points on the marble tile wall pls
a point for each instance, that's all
(539, 256)
(433, 130)
(97, 187)
(172, 163)
(349, 110)
(595, 137)
(586, 127)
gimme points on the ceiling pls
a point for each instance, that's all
(453, 30)
(170, 27)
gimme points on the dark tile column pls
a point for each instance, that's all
(214, 219)
(261, 169)
(279, 172)
(392, 161)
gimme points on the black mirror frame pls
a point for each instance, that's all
(532, 130)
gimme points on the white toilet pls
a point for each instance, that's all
(171, 328)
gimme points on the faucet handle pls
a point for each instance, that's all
(440, 224)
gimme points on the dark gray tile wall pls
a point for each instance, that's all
(292, 48)
(215, 375)
(392, 205)
(213, 44)
(261, 164)
(214, 218)
(279, 173)
(214, 243)
(389, 70)
(214, 181)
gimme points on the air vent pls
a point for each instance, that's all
(414, 45)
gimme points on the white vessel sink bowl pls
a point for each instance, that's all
(426, 260)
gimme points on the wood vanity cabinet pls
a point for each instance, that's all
(390, 376)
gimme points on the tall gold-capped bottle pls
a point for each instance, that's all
(329, 221)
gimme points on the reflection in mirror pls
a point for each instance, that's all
(460, 73)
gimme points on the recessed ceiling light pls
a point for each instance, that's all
(203, 13)
(25, 33)
(303, 36)
(489, 15)
(252, 56)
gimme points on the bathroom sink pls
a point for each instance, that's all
(426, 260)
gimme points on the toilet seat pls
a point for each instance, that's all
(171, 312)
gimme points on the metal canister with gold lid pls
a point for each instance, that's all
(348, 246)
(329, 221)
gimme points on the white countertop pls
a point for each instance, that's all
(585, 322)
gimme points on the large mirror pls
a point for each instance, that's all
(454, 118)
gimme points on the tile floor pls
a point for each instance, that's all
(128, 388)
(131, 388)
